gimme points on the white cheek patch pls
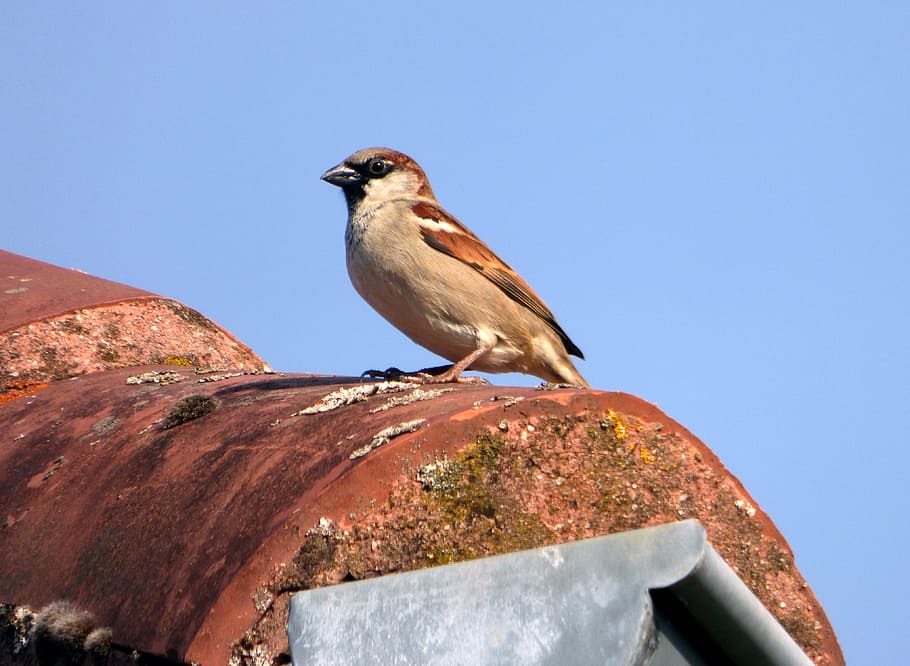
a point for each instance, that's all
(395, 184)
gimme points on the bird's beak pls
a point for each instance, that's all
(342, 176)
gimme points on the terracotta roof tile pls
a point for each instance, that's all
(218, 517)
(32, 290)
(57, 323)
(182, 507)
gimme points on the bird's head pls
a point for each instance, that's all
(379, 174)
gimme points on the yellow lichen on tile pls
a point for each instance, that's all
(646, 456)
(619, 428)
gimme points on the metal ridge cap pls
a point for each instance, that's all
(732, 616)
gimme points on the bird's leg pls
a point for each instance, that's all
(440, 374)
(453, 374)
(435, 370)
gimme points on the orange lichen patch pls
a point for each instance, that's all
(12, 390)
(615, 421)
(646, 456)
(179, 360)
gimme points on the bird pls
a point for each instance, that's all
(429, 276)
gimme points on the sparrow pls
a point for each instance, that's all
(433, 279)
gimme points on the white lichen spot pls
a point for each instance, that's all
(385, 435)
(161, 377)
(220, 376)
(417, 395)
(325, 528)
(353, 394)
(743, 505)
(440, 475)
(262, 600)
(507, 400)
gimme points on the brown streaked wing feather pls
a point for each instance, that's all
(467, 248)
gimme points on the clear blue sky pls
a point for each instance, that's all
(712, 197)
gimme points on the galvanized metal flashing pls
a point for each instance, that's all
(575, 603)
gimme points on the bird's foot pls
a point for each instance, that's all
(443, 374)
(551, 386)
(388, 375)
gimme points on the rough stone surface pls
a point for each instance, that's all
(149, 332)
(545, 475)
(220, 517)
(57, 323)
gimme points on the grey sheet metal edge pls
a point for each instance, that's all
(585, 602)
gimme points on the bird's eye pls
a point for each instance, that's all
(378, 167)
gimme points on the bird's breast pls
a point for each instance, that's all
(403, 280)
(438, 301)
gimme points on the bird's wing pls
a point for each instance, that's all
(443, 232)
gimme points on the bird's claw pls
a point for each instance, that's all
(390, 374)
